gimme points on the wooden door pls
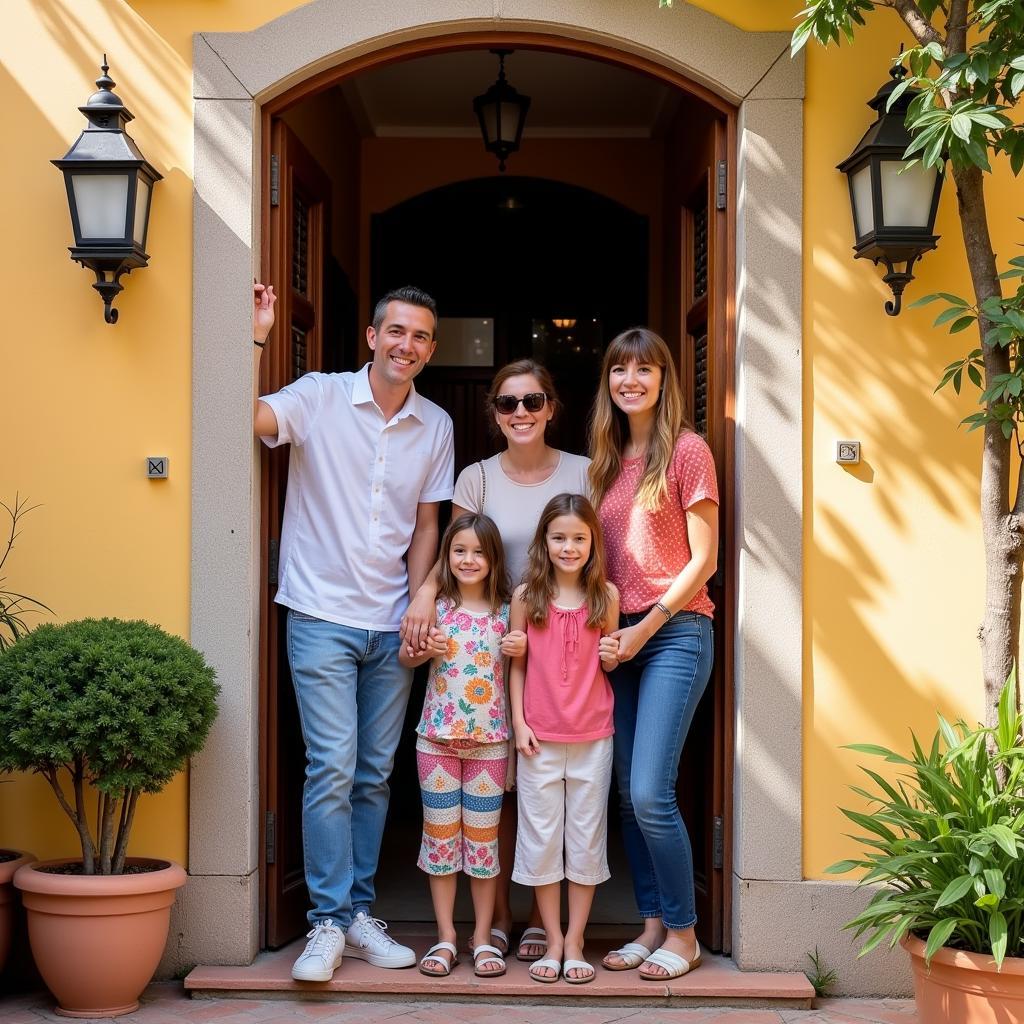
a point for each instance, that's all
(700, 232)
(296, 245)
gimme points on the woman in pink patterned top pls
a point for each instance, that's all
(653, 482)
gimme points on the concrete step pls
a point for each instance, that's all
(717, 982)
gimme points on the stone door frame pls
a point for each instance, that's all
(234, 74)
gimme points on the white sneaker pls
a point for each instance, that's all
(322, 954)
(367, 939)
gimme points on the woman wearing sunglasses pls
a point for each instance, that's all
(512, 488)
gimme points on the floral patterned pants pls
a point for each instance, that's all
(461, 791)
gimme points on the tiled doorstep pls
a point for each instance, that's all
(717, 982)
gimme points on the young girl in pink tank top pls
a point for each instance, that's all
(562, 716)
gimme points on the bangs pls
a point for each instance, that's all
(635, 346)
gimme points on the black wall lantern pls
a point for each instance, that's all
(501, 112)
(893, 208)
(109, 184)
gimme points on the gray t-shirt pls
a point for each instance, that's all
(516, 508)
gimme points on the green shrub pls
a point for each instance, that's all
(118, 705)
(947, 839)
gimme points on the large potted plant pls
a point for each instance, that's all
(114, 707)
(946, 839)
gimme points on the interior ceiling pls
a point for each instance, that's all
(570, 96)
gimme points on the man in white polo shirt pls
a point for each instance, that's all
(370, 460)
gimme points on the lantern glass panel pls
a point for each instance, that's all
(141, 211)
(863, 210)
(102, 201)
(491, 122)
(906, 194)
(507, 120)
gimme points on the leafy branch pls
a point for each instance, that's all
(1003, 394)
(13, 605)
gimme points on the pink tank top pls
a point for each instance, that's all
(567, 697)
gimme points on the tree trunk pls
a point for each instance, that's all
(1001, 526)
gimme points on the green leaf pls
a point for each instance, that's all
(948, 314)
(937, 937)
(1007, 726)
(987, 902)
(955, 300)
(956, 890)
(842, 866)
(961, 126)
(973, 373)
(931, 298)
(1004, 837)
(995, 881)
(997, 936)
(1007, 429)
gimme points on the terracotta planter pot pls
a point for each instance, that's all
(966, 988)
(9, 900)
(98, 939)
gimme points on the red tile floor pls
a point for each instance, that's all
(168, 1003)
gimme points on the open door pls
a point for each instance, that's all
(296, 231)
(697, 192)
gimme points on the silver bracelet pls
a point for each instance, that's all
(664, 609)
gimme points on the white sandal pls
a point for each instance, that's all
(555, 965)
(497, 958)
(429, 958)
(532, 937)
(632, 955)
(674, 965)
(579, 965)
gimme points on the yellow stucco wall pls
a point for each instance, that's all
(892, 549)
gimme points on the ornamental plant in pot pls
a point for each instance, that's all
(946, 839)
(105, 710)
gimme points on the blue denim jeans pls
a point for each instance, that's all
(656, 694)
(352, 695)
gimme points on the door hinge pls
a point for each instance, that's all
(720, 185)
(275, 181)
(273, 560)
(718, 844)
(270, 836)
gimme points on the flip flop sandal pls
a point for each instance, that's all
(429, 958)
(532, 937)
(632, 954)
(498, 938)
(496, 959)
(674, 965)
(555, 965)
(579, 965)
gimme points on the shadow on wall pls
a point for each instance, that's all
(153, 80)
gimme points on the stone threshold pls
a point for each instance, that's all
(717, 982)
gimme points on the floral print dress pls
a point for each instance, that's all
(465, 698)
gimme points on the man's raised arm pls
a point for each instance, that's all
(264, 422)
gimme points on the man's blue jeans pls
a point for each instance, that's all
(352, 695)
(656, 694)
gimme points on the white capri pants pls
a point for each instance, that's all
(563, 806)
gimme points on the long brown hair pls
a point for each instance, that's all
(539, 578)
(609, 427)
(498, 590)
(522, 368)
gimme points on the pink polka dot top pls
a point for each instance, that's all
(646, 550)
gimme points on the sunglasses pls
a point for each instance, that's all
(507, 404)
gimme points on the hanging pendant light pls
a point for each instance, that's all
(501, 112)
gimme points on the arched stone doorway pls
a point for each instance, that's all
(237, 74)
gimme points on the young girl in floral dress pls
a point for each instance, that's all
(462, 738)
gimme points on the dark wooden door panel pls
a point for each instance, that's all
(298, 229)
